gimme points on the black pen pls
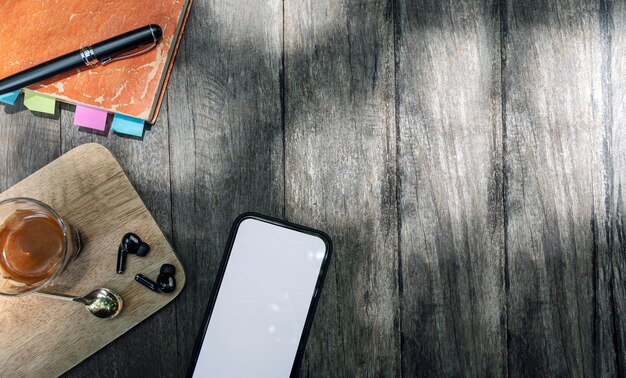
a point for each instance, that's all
(100, 53)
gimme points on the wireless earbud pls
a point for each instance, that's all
(166, 280)
(145, 281)
(131, 243)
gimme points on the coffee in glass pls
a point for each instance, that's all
(36, 245)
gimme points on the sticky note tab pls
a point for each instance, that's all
(9, 98)
(39, 103)
(127, 125)
(91, 118)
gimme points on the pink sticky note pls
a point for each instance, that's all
(89, 117)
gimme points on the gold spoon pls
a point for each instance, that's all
(103, 303)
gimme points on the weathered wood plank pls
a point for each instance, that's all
(555, 192)
(147, 164)
(616, 158)
(226, 140)
(340, 157)
(418, 283)
(27, 142)
(450, 194)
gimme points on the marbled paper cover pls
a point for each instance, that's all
(34, 31)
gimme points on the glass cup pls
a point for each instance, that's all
(36, 245)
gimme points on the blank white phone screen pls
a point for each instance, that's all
(262, 303)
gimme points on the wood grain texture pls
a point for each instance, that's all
(27, 143)
(226, 140)
(555, 196)
(616, 163)
(146, 163)
(340, 176)
(88, 188)
(467, 158)
(450, 189)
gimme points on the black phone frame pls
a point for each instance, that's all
(220, 275)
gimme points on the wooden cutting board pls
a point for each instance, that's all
(41, 337)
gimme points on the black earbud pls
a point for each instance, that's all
(145, 281)
(166, 280)
(131, 243)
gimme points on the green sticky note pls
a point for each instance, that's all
(39, 103)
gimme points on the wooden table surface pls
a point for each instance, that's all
(467, 157)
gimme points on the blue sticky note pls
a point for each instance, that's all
(127, 125)
(9, 98)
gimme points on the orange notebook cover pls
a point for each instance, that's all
(34, 31)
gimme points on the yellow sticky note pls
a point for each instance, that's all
(39, 103)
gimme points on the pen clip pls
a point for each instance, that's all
(114, 59)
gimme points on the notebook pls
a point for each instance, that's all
(34, 31)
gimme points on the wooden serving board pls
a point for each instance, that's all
(42, 337)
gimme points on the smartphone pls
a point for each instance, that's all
(263, 302)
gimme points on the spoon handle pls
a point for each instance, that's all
(62, 297)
